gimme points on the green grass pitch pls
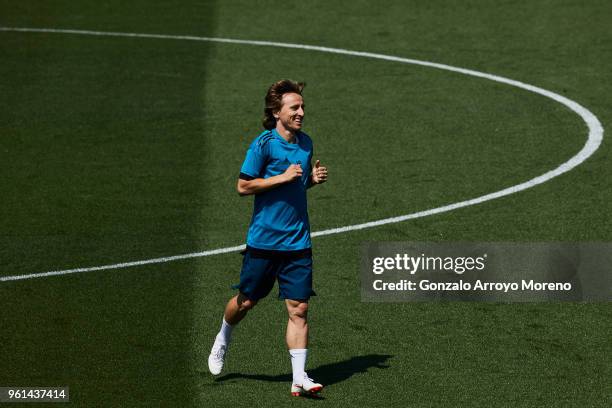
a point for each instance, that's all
(121, 149)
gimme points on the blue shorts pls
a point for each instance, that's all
(292, 269)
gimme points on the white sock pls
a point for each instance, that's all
(225, 334)
(298, 363)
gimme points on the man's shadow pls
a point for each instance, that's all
(327, 374)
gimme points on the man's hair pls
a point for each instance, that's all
(274, 99)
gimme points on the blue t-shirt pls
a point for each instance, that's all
(280, 216)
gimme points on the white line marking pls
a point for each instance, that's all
(125, 264)
(592, 144)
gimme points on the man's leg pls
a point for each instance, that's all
(297, 326)
(297, 343)
(257, 278)
(235, 310)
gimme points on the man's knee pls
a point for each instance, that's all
(298, 310)
(244, 303)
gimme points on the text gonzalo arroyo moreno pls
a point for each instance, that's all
(412, 265)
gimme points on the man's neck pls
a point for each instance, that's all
(289, 135)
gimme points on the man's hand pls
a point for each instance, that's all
(293, 172)
(319, 173)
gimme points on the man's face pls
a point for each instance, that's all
(291, 114)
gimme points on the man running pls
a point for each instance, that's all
(277, 170)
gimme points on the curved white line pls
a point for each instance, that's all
(592, 144)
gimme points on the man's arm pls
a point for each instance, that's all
(259, 185)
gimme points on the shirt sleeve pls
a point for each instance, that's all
(254, 162)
